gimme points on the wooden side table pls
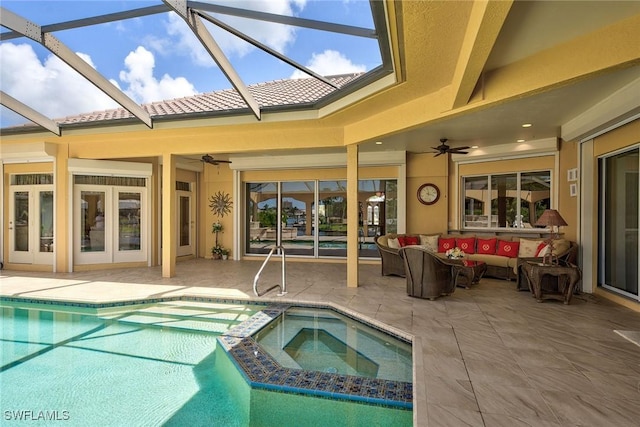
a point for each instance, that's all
(567, 278)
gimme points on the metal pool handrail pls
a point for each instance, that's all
(283, 287)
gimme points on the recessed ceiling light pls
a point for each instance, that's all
(520, 140)
(378, 142)
(474, 146)
(527, 125)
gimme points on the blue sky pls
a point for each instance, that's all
(157, 57)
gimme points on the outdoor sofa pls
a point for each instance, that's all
(500, 253)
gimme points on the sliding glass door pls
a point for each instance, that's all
(309, 218)
(619, 233)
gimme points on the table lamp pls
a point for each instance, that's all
(551, 218)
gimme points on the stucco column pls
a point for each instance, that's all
(63, 242)
(352, 216)
(168, 215)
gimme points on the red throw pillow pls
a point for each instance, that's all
(487, 246)
(402, 240)
(468, 245)
(508, 249)
(445, 244)
(411, 240)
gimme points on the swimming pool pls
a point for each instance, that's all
(151, 364)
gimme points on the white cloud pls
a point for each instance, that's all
(276, 36)
(144, 87)
(329, 63)
(50, 87)
(55, 90)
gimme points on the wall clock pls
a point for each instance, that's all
(428, 194)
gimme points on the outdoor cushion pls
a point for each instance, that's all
(393, 243)
(529, 248)
(560, 246)
(468, 245)
(487, 246)
(508, 249)
(498, 261)
(408, 241)
(543, 249)
(445, 244)
(430, 242)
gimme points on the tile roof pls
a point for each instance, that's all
(286, 92)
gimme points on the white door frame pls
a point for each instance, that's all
(33, 255)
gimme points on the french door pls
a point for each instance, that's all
(31, 224)
(110, 224)
(619, 232)
(186, 223)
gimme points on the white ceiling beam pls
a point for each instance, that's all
(29, 113)
(197, 26)
(17, 23)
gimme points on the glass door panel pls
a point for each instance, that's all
(46, 221)
(21, 221)
(261, 217)
(186, 221)
(332, 218)
(619, 228)
(92, 221)
(297, 234)
(129, 221)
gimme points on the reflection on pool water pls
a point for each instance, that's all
(151, 364)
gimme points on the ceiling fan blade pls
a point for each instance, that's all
(461, 148)
(459, 152)
(439, 153)
(209, 159)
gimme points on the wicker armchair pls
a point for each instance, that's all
(392, 264)
(428, 276)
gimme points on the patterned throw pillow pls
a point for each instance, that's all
(487, 246)
(445, 244)
(508, 249)
(529, 247)
(430, 242)
(468, 245)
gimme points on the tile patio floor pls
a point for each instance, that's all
(486, 356)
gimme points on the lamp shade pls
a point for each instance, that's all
(551, 218)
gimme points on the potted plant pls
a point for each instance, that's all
(218, 251)
(220, 204)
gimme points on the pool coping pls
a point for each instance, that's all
(259, 369)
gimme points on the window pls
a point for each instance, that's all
(512, 200)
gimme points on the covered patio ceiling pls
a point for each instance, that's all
(529, 29)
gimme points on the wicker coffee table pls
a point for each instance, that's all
(469, 271)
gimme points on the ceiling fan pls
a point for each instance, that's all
(443, 148)
(209, 159)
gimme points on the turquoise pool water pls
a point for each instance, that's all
(146, 366)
